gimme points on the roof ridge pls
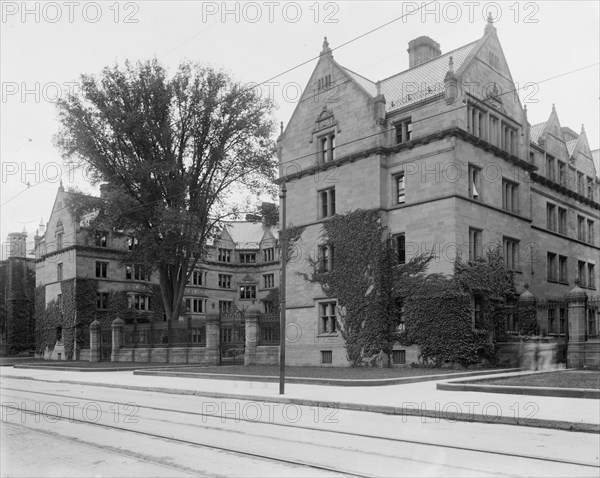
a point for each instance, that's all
(429, 61)
(358, 74)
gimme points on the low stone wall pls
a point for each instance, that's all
(531, 355)
(163, 355)
(267, 355)
(592, 354)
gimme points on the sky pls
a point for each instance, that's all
(551, 46)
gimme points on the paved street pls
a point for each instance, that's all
(135, 433)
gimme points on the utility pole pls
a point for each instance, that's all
(283, 259)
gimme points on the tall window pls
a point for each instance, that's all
(474, 182)
(551, 217)
(510, 196)
(197, 278)
(327, 318)
(138, 301)
(195, 305)
(327, 203)
(269, 280)
(136, 272)
(225, 281)
(101, 238)
(327, 148)
(224, 255)
(550, 168)
(581, 228)
(511, 253)
(590, 232)
(475, 244)
(400, 185)
(591, 276)
(268, 306)
(247, 292)
(269, 254)
(590, 188)
(403, 131)
(59, 271)
(478, 312)
(400, 319)
(247, 257)
(102, 300)
(563, 270)
(59, 240)
(225, 306)
(580, 184)
(581, 273)
(562, 221)
(551, 265)
(401, 248)
(326, 258)
(101, 269)
(562, 173)
(132, 243)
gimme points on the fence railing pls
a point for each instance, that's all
(188, 333)
(268, 329)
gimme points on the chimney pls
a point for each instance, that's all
(422, 49)
(17, 244)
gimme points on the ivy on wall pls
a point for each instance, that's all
(17, 302)
(79, 309)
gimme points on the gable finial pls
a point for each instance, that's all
(451, 64)
(61, 187)
(582, 128)
(326, 50)
(490, 23)
(553, 108)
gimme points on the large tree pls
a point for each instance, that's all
(172, 149)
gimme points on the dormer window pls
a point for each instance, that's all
(403, 131)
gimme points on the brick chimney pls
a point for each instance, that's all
(422, 49)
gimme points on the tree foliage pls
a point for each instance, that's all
(172, 150)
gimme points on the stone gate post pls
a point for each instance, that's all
(577, 299)
(117, 338)
(212, 339)
(251, 338)
(95, 341)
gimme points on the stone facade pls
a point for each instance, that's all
(445, 151)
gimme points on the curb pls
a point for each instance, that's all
(588, 393)
(321, 381)
(385, 409)
(89, 369)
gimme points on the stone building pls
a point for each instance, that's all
(445, 151)
(80, 273)
(16, 296)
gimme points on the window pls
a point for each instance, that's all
(269, 254)
(511, 253)
(136, 272)
(400, 184)
(269, 280)
(138, 302)
(59, 271)
(509, 137)
(268, 306)
(550, 168)
(326, 356)
(563, 270)
(398, 357)
(475, 244)
(101, 269)
(101, 239)
(247, 292)
(590, 188)
(592, 325)
(132, 243)
(326, 258)
(401, 248)
(551, 265)
(198, 335)
(327, 148)
(400, 318)
(474, 182)
(581, 228)
(323, 82)
(590, 232)
(510, 196)
(562, 173)
(194, 305)
(59, 298)
(591, 276)
(403, 131)
(476, 121)
(224, 255)
(102, 300)
(562, 321)
(327, 318)
(552, 323)
(477, 312)
(562, 221)
(197, 278)
(59, 241)
(580, 185)
(225, 306)
(551, 217)
(225, 281)
(327, 203)
(247, 257)
(581, 273)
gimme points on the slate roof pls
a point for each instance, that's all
(246, 235)
(596, 158)
(536, 131)
(362, 81)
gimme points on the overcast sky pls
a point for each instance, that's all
(52, 43)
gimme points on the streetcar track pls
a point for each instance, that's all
(341, 432)
(189, 442)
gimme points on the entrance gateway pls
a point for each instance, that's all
(232, 343)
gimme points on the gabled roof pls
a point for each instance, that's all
(536, 131)
(430, 73)
(367, 84)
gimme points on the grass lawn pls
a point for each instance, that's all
(560, 379)
(39, 363)
(324, 372)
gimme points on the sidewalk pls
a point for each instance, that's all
(419, 399)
